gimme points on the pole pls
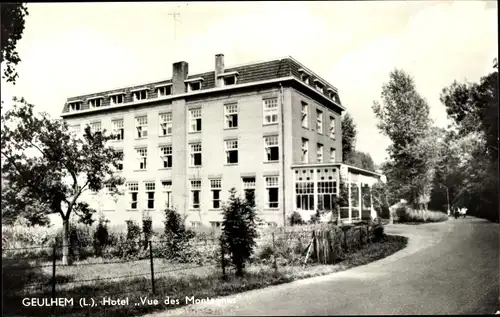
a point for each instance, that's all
(152, 266)
(275, 265)
(54, 271)
(223, 263)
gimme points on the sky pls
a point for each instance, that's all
(70, 49)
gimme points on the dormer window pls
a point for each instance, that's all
(304, 76)
(319, 85)
(95, 103)
(140, 94)
(164, 90)
(332, 93)
(228, 79)
(194, 84)
(75, 106)
(117, 99)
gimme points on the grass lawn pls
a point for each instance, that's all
(174, 281)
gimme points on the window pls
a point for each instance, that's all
(150, 194)
(140, 95)
(196, 154)
(75, 106)
(319, 121)
(272, 192)
(166, 123)
(230, 80)
(305, 117)
(167, 193)
(319, 153)
(332, 128)
(120, 163)
(133, 189)
(231, 115)
(216, 186)
(164, 91)
(195, 121)
(141, 124)
(118, 130)
(271, 111)
(95, 127)
(332, 155)
(248, 186)
(305, 78)
(117, 99)
(193, 86)
(95, 103)
(74, 129)
(109, 188)
(304, 195)
(195, 224)
(271, 148)
(326, 194)
(215, 224)
(231, 151)
(142, 156)
(319, 85)
(305, 151)
(195, 194)
(166, 156)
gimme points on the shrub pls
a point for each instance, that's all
(101, 236)
(239, 229)
(174, 242)
(130, 247)
(295, 219)
(378, 232)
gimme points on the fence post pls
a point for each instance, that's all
(222, 260)
(54, 270)
(152, 266)
(275, 265)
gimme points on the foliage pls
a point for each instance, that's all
(239, 229)
(175, 237)
(407, 214)
(295, 219)
(13, 16)
(349, 133)
(380, 199)
(46, 163)
(101, 236)
(472, 149)
(404, 117)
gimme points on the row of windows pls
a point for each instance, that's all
(195, 120)
(319, 152)
(319, 86)
(271, 153)
(149, 190)
(143, 94)
(319, 120)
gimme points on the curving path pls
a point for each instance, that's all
(447, 268)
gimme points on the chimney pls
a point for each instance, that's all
(219, 69)
(179, 75)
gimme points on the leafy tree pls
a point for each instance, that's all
(404, 117)
(295, 219)
(239, 229)
(349, 133)
(473, 107)
(46, 163)
(13, 15)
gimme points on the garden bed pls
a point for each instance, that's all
(175, 281)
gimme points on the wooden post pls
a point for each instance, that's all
(223, 262)
(275, 265)
(54, 271)
(152, 266)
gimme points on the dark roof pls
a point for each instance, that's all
(246, 74)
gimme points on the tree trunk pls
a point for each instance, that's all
(66, 257)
